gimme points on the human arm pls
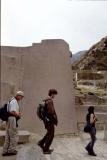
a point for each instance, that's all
(13, 109)
(17, 115)
(51, 111)
(93, 119)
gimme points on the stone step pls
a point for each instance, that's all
(23, 137)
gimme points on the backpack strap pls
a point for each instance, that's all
(8, 104)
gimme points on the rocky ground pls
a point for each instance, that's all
(65, 148)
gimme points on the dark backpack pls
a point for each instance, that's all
(4, 114)
(87, 127)
(41, 111)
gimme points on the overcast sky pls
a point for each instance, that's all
(80, 23)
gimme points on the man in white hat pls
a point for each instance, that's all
(12, 125)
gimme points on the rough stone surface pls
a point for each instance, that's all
(72, 148)
(65, 148)
(30, 153)
(36, 69)
(95, 58)
(23, 137)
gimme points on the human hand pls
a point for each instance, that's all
(19, 115)
(96, 119)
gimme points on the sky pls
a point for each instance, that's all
(80, 23)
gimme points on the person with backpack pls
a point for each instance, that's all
(50, 121)
(91, 120)
(10, 144)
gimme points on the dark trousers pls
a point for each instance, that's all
(93, 139)
(48, 138)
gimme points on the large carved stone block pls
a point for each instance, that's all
(36, 69)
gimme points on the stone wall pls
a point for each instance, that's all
(36, 69)
(82, 110)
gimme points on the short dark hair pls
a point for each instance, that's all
(52, 91)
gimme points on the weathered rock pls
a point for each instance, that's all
(35, 69)
(30, 153)
(95, 58)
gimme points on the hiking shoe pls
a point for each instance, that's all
(51, 150)
(12, 153)
(47, 152)
(87, 149)
(9, 154)
(5, 154)
(92, 154)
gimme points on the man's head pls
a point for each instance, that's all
(52, 93)
(19, 95)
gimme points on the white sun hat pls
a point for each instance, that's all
(20, 93)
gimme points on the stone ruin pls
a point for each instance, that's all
(35, 69)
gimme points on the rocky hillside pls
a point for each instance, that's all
(95, 58)
(77, 56)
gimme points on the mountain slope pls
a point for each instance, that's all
(77, 56)
(95, 58)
